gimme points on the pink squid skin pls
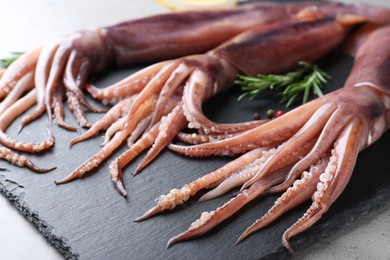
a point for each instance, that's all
(352, 118)
(254, 52)
(308, 153)
(75, 57)
(208, 74)
(184, 33)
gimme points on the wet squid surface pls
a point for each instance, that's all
(309, 153)
(105, 215)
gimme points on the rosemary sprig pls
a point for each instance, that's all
(5, 62)
(305, 79)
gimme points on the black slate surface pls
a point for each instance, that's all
(88, 219)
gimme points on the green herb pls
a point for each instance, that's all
(305, 79)
(5, 62)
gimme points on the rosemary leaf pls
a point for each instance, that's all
(306, 79)
(5, 62)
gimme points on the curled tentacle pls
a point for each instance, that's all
(117, 165)
(76, 73)
(20, 160)
(10, 114)
(96, 159)
(201, 86)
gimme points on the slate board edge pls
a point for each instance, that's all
(7, 189)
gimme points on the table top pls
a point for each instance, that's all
(26, 24)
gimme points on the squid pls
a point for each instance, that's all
(307, 154)
(164, 98)
(60, 69)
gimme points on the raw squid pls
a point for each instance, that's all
(310, 153)
(307, 153)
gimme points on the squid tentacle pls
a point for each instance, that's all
(24, 84)
(274, 132)
(58, 111)
(57, 67)
(75, 76)
(21, 161)
(75, 106)
(110, 117)
(179, 196)
(239, 178)
(170, 125)
(117, 165)
(333, 180)
(328, 135)
(209, 220)
(193, 138)
(114, 128)
(138, 131)
(17, 70)
(96, 159)
(292, 197)
(9, 115)
(114, 143)
(131, 85)
(160, 134)
(298, 145)
(44, 61)
(141, 108)
(150, 92)
(173, 83)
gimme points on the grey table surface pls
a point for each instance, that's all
(26, 24)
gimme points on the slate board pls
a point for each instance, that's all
(88, 219)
